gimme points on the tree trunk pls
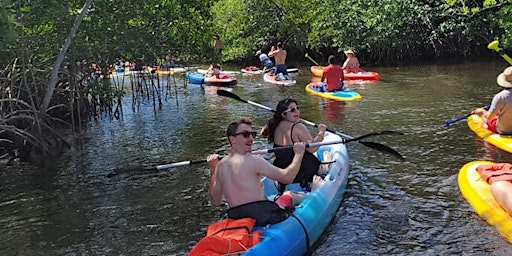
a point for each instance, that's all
(67, 43)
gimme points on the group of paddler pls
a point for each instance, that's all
(488, 185)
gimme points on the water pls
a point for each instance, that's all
(97, 200)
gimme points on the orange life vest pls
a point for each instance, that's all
(227, 236)
(495, 172)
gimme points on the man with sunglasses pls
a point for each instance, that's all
(237, 178)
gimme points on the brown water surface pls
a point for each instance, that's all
(81, 207)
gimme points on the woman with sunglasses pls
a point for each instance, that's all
(284, 129)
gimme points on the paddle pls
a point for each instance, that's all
(259, 152)
(348, 138)
(307, 56)
(454, 120)
(494, 45)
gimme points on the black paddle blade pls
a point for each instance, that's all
(230, 95)
(385, 132)
(382, 148)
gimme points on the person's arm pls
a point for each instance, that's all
(215, 190)
(285, 175)
(272, 51)
(345, 64)
(301, 133)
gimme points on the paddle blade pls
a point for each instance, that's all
(494, 45)
(230, 95)
(383, 148)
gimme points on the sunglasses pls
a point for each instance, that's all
(292, 109)
(246, 134)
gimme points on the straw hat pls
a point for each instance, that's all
(505, 79)
(349, 51)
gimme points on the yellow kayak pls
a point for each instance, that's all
(476, 124)
(478, 193)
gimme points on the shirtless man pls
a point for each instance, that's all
(279, 55)
(237, 178)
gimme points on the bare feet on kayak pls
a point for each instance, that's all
(324, 168)
(317, 181)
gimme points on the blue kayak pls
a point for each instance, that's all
(296, 234)
(195, 77)
(199, 78)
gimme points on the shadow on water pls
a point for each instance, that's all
(98, 200)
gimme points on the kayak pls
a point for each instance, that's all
(365, 75)
(269, 77)
(227, 72)
(198, 78)
(478, 193)
(344, 95)
(257, 71)
(296, 234)
(476, 124)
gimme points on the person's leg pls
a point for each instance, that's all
(502, 192)
(317, 182)
(287, 200)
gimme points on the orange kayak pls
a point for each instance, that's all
(365, 75)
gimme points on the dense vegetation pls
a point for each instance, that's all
(48, 46)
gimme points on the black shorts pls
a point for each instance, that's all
(265, 212)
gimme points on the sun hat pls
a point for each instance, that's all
(258, 53)
(349, 51)
(505, 79)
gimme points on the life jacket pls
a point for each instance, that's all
(227, 236)
(495, 172)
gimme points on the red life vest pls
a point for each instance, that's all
(227, 236)
(495, 172)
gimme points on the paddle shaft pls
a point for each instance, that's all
(307, 56)
(256, 152)
(454, 120)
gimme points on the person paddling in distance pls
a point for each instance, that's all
(332, 77)
(279, 55)
(266, 63)
(351, 64)
(498, 118)
(215, 71)
(237, 178)
(285, 128)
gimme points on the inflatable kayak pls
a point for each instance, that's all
(477, 192)
(296, 234)
(476, 124)
(198, 78)
(365, 75)
(269, 77)
(344, 95)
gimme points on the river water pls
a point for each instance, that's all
(96, 200)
